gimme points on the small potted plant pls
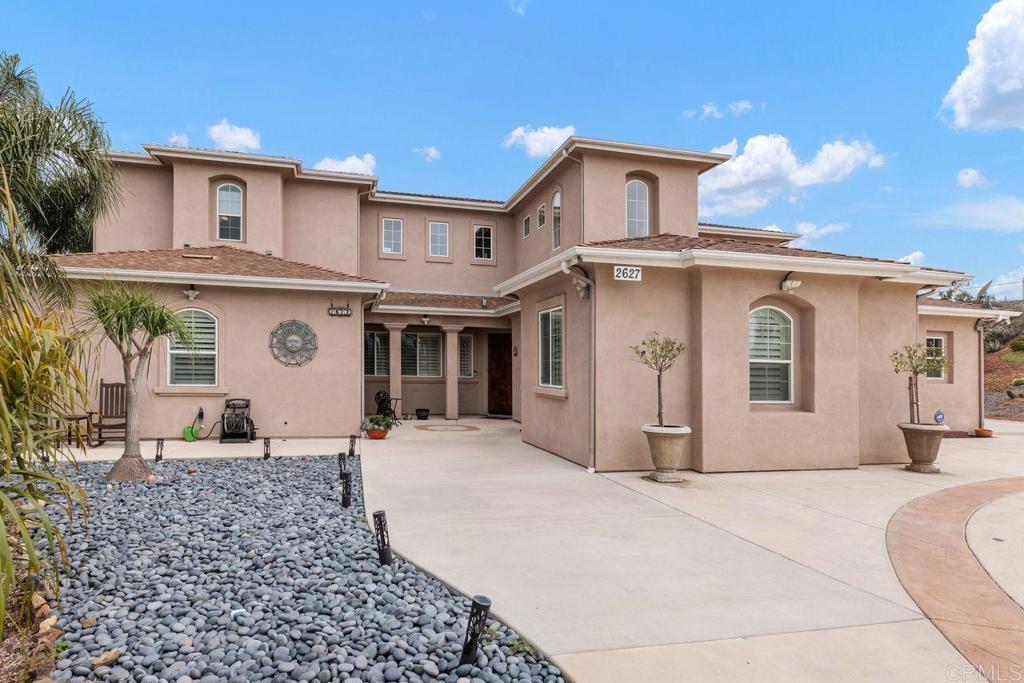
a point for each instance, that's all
(422, 413)
(666, 442)
(923, 440)
(377, 426)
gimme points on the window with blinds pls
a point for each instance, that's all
(771, 356)
(466, 355)
(550, 328)
(375, 354)
(421, 355)
(195, 366)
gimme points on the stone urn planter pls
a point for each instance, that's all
(923, 442)
(668, 451)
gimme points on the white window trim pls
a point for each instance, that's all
(401, 236)
(942, 344)
(241, 213)
(215, 353)
(778, 361)
(647, 190)
(542, 212)
(540, 341)
(430, 239)
(556, 230)
(440, 351)
(490, 229)
(472, 359)
(376, 333)
(526, 226)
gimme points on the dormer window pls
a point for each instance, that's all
(637, 194)
(229, 212)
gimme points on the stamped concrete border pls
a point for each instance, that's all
(927, 545)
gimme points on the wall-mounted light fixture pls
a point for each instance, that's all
(192, 293)
(788, 284)
(425, 319)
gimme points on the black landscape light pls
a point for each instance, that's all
(346, 489)
(159, 450)
(380, 531)
(475, 628)
(266, 448)
(341, 465)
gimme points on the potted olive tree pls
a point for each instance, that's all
(666, 442)
(923, 440)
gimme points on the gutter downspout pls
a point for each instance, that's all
(592, 436)
(592, 288)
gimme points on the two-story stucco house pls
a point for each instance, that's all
(525, 307)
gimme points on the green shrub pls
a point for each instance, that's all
(1017, 344)
(377, 422)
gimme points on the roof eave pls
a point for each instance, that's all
(507, 309)
(949, 311)
(439, 202)
(167, 277)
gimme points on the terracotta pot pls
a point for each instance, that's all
(923, 442)
(983, 432)
(667, 445)
(377, 433)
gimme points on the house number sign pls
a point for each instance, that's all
(628, 273)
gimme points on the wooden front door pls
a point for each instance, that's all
(499, 374)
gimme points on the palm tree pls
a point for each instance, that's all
(133, 320)
(57, 161)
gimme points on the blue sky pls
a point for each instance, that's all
(837, 108)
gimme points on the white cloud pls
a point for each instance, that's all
(365, 164)
(709, 109)
(772, 228)
(728, 148)
(539, 142)
(429, 153)
(810, 232)
(740, 107)
(226, 135)
(970, 177)
(517, 6)
(768, 166)
(179, 139)
(888, 188)
(1001, 213)
(914, 258)
(989, 92)
(689, 113)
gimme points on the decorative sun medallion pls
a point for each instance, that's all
(293, 343)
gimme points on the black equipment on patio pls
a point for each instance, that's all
(236, 425)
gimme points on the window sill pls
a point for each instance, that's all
(191, 391)
(394, 257)
(439, 259)
(557, 393)
(483, 262)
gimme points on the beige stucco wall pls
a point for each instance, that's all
(626, 390)
(414, 269)
(539, 246)
(143, 217)
(957, 394)
(559, 424)
(318, 399)
(673, 208)
(321, 224)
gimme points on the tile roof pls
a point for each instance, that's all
(444, 300)
(442, 196)
(705, 224)
(969, 305)
(670, 242)
(219, 260)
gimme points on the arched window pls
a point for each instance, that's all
(771, 356)
(229, 212)
(636, 208)
(556, 220)
(195, 365)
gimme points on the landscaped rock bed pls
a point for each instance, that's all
(248, 570)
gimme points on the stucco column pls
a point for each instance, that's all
(451, 371)
(395, 361)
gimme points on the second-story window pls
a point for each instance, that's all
(526, 227)
(542, 216)
(483, 242)
(438, 239)
(636, 209)
(229, 212)
(391, 236)
(556, 220)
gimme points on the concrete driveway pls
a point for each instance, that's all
(774, 576)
